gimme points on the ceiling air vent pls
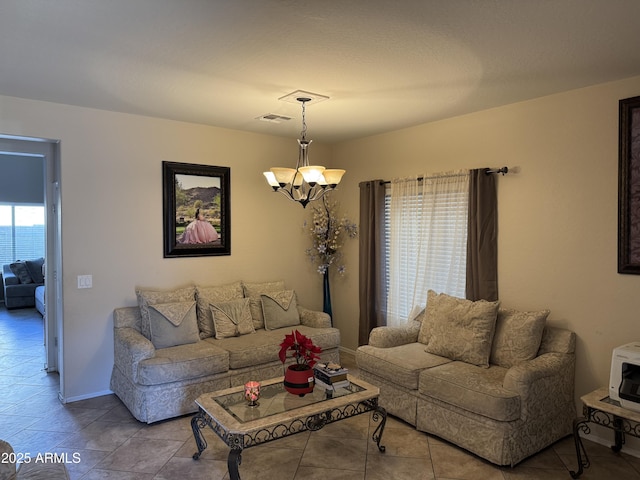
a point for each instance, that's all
(273, 118)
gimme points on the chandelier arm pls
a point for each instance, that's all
(319, 192)
(298, 192)
(288, 192)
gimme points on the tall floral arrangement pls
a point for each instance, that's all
(328, 231)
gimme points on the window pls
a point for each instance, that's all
(426, 239)
(22, 232)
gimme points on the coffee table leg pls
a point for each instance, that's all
(233, 462)
(198, 422)
(379, 413)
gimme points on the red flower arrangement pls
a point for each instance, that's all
(302, 348)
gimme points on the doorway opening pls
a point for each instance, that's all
(49, 152)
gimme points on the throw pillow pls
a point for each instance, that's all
(232, 319)
(173, 324)
(252, 291)
(518, 336)
(280, 309)
(205, 296)
(34, 267)
(147, 297)
(460, 329)
(20, 270)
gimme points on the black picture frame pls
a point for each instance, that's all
(189, 188)
(629, 186)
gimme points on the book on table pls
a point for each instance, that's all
(330, 373)
(332, 386)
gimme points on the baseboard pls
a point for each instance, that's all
(347, 351)
(84, 397)
(604, 436)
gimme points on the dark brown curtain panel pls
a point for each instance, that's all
(482, 240)
(372, 293)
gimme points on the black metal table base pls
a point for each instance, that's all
(619, 425)
(198, 422)
(315, 422)
(233, 463)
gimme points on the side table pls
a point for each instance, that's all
(599, 409)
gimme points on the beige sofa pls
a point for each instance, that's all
(496, 382)
(181, 343)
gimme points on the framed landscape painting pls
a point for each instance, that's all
(629, 186)
(196, 210)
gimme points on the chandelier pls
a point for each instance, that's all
(305, 183)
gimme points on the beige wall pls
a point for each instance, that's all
(557, 230)
(112, 218)
(557, 216)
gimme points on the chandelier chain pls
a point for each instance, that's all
(303, 132)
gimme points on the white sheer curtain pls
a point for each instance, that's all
(427, 222)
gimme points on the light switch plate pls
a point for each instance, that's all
(85, 281)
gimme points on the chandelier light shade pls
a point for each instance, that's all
(305, 183)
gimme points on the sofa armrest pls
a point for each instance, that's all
(8, 277)
(545, 384)
(131, 347)
(312, 318)
(387, 337)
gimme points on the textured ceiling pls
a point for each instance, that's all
(385, 65)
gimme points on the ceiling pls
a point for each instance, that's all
(384, 64)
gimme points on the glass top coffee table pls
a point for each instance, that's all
(280, 414)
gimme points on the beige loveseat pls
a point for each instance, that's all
(179, 344)
(496, 382)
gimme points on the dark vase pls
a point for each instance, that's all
(326, 296)
(298, 379)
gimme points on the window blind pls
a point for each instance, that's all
(22, 232)
(426, 232)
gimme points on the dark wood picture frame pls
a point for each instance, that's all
(629, 186)
(196, 210)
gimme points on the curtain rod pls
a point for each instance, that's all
(488, 171)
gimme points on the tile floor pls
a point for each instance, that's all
(111, 444)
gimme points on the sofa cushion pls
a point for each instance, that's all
(184, 362)
(280, 309)
(399, 365)
(148, 297)
(35, 269)
(232, 319)
(264, 346)
(518, 335)
(20, 270)
(206, 296)
(252, 291)
(172, 324)
(472, 388)
(459, 329)
(40, 300)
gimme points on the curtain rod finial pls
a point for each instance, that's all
(502, 170)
